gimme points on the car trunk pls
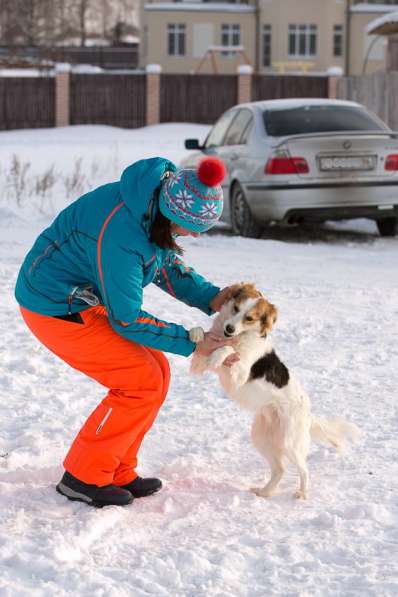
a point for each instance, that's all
(343, 157)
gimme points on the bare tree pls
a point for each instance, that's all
(46, 22)
(30, 22)
(82, 8)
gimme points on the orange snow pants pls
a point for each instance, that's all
(105, 450)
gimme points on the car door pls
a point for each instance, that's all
(215, 139)
(234, 151)
(214, 146)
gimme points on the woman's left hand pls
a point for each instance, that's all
(222, 297)
(231, 359)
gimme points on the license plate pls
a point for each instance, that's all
(347, 163)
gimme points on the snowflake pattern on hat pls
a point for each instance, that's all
(187, 201)
(184, 199)
(174, 179)
(209, 209)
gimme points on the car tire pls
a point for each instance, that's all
(243, 222)
(387, 226)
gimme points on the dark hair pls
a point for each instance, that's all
(161, 233)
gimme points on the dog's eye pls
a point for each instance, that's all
(235, 309)
(248, 318)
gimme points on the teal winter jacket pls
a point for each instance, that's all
(98, 251)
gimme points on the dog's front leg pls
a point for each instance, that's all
(239, 374)
(218, 356)
(196, 334)
(199, 362)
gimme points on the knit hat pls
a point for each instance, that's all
(193, 199)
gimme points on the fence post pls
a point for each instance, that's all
(153, 93)
(62, 90)
(335, 73)
(245, 72)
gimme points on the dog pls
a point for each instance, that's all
(283, 426)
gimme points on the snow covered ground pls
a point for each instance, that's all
(205, 534)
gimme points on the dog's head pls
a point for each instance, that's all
(247, 311)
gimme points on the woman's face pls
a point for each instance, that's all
(180, 231)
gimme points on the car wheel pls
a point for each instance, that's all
(242, 220)
(387, 226)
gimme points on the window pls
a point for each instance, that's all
(267, 45)
(319, 119)
(246, 133)
(176, 39)
(302, 40)
(237, 128)
(230, 36)
(338, 40)
(217, 133)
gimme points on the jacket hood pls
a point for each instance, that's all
(139, 181)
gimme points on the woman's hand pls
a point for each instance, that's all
(222, 297)
(211, 342)
(231, 360)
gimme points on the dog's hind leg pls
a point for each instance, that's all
(299, 459)
(277, 470)
(302, 492)
(268, 440)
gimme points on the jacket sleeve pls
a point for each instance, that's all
(121, 281)
(185, 284)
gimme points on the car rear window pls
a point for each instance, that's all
(318, 119)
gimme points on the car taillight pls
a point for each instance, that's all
(286, 165)
(391, 162)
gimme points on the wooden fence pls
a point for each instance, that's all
(196, 98)
(127, 100)
(267, 87)
(27, 102)
(116, 100)
(378, 92)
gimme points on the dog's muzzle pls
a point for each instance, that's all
(229, 330)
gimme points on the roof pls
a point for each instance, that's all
(297, 103)
(199, 7)
(385, 25)
(366, 7)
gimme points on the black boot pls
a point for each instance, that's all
(142, 487)
(108, 495)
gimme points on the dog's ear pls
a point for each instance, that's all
(269, 314)
(273, 313)
(235, 290)
(251, 290)
(245, 289)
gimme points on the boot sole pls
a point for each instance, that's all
(137, 497)
(75, 496)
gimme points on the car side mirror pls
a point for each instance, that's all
(192, 144)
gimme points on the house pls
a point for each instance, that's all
(274, 36)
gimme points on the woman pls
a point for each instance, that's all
(80, 293)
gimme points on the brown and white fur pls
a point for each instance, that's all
(259, 382)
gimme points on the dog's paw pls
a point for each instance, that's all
(300, 495)
(238, 375)
(217, 357)
(196, 334)
(261, 492)
(216, 360)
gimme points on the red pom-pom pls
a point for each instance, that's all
(211, 171)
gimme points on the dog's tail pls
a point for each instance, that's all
(333, 431)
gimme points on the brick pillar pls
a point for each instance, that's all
(245, 72)
(62, 90)
(153, 93)
(335, 73)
